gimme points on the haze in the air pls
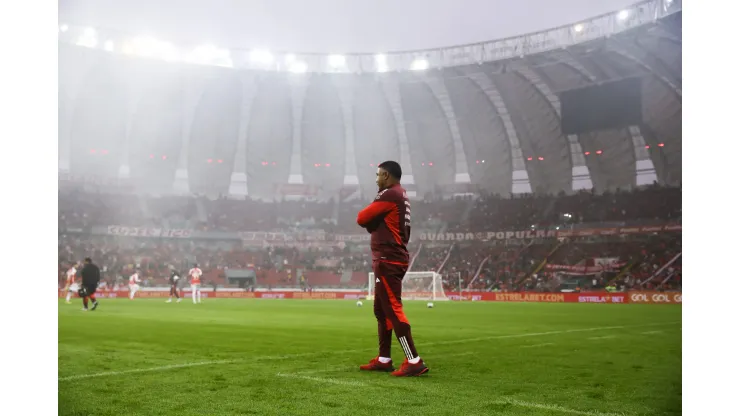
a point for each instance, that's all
(331, 26)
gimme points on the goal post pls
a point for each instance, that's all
(416, 286)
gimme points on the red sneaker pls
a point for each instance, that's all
(376, 365)
(410, 370)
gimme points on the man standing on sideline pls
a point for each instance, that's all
(388, 220)
(90, 279)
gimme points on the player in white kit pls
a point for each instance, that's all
(195, 274)
(70, 285)
(133, 285)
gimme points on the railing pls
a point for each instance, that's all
(447, 257)
(665, 266)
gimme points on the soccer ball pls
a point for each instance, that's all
(430, 305)
(359, 303)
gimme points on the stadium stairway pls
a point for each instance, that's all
(346, 277)
(469, 205)
(201, 210)
(447, 257)
(542, 264)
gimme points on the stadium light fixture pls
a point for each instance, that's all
(261, 56)
(420, 64)
(88, 39)
(210, 55)
(337, 61)
(109, 45)
(298, 67)
(149, 47)
(578, 28)
(623, 15)
(381, 63)
(63, 28)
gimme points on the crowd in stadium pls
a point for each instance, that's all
(467, 265)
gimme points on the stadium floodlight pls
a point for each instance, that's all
(420, 64)
(381, 63)
(578, 28)
(89, 38)
(63, 28)
(109, 45)
(261, 56)
(210, 55)
(336, 61)
(622, 15)
(149, 47)
(167, 51)
(298, 67)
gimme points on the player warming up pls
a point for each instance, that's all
(174, 280)
(90, 279)
(69, 286)
(133, 284)
(388, 220)
(195, 274)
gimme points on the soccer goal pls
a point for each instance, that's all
(416, 286)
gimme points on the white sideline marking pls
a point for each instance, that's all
(553, 407)
(351, 367)
(308, 354)
(537, 334)
(324, 380)
(144, 370)
(604, 337)
(651, 332)
(538, 345)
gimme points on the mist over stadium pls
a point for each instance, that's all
(542, 165)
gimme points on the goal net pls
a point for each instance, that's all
(416, 286)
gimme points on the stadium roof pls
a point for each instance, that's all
(332, 26)
(495, 123)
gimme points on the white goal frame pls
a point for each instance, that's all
(432, 290)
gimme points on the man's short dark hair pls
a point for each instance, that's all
(393, 168)
(88, 260)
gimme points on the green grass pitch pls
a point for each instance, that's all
(293, 357)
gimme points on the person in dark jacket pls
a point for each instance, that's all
(174, 282)
(90, 279)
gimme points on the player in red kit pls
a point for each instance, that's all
(388, 220)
